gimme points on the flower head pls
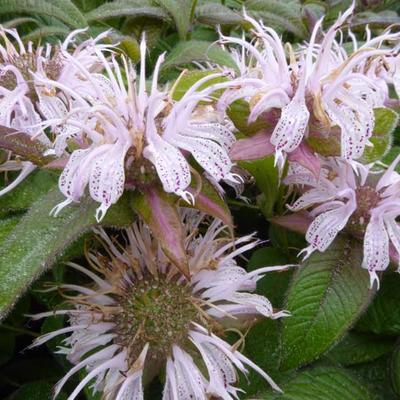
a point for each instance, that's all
(365, 205)
(127, 132)
(318, 84)
(26, 103)
(140, 315)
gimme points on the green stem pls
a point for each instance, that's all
(19, 330)
(191, 19)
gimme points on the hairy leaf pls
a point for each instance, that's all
(322, 383)
(386, 121)
(217, 14)
(126, 9)
(181, 12)
(28, 191)
(357, 348)
(328, 293)
(64, 10)
(282, 16)
(39, 240)
(197, 50)
(383, 315)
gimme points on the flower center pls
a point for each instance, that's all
(154, 311)
(367, 199)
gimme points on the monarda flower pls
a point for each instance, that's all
(140, 316)
(24, 104)
(365, 204)
(319, 89)
(129, 133)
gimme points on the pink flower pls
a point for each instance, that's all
(25, 103)
(123, 128)
(319, 82)
(141, 315)
(360, 204)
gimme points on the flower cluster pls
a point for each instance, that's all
(365, 204)
(140, 315)
(320, 89)
(109, 128)
(109, 125)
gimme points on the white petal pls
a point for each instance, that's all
(376, 246)
(292, 125)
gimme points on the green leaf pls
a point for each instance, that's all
(357, 348)
(395, 371)
(39, 240)
(328, 293)
(376, 377)
(383, 315)
(7, 225)
(274, 284)
(323, 383)
(44, 31)
(131, 47)
(267, 180)
(64, 10)
(125, 8)
(374, 19)
(386, 121)
(282, 16)
(263, 341)
(197, 50)
(239, 112)
(181, 12)
(15, 22)
(34, 186)
(189, 78)
(40, 390)
(217, 14)
(391, 155)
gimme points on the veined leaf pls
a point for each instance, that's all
(64, 10)
(328, 293)
(375, 19)
(383, 315)
(197, 50)
(217, 14)
(126, 9)
(15, 22)
(323, 383)
(282, 16)
(358, 348)
(47, 31)
(181, 12)
(189, 78)
(39, 240)
(28, 191)
(386, 121)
